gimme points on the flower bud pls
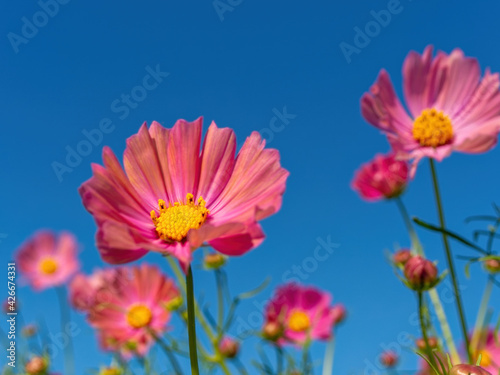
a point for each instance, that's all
(174, 304)
(468, 370)
(214, 261)
(421, 274)
(272, 331)
(228, 347)
(383, 177)
(401, 257)
(389, 359)
(492, 265)
(432, 341)
(339, 313)
(36, 365)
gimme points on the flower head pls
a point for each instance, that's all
(36, 366)
(421, 274)
(383, 177)
(468, 370)
(135, 309)
(170, 198)
(402, 256)
(46, 260)
(304, 313)
(489, 349)
(389, 359)
(229, 347)
(451, 108)
(492, 265)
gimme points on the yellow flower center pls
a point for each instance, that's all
(175, 221)
(139, 316)
(299, 321)
(48, 266)
(432, 128)
(485, 358)
(110, 371)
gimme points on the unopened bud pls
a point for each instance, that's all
(389, 359)
(339, 313)
(214, 261)
(421, 274)
(174, 304)
(468, 370)
(228, 347)
(432, 341)
(492, 265)
(36, 365)
(272, 331)
(401, 257)
(29, 330)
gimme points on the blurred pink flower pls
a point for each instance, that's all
(46, 261)
(171, 198)
(468, 370)
(451, 107)
(304, 313)
(85, 290)
(383, 177)
(489, 349)
(136, 305)
(229, 347)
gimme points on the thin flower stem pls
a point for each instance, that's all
(329, 356)
(423, 328)
(220, 302)
(69, 361)
(279, 359)
(449, 259)
(223, 367)
(193, 355)
(168, 352)
(481, 316)
(433, 294)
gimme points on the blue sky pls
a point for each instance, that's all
(241, 64)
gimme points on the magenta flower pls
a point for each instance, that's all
(304, 313)
(171, 198)
(451, 108)
(136, 305)
(46, 261)
(490, 351)
(383, 177)
(468, 370)
(85, 291)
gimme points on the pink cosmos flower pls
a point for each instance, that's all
(383, 177)
(46, 261)
(489, 349)
(451, 108)
(136, 306)
(172, 198)
(304, 313)
(85, 291)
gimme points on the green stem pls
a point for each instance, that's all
(424, 329)
(329, 356)
(168, 352)
(279, 359)
(193, 355)
(433, 294)
(220, 307)
(69, 361)
(449, 259)
(481, 316)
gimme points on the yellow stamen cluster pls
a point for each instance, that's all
(48, 266)
(110, 371)
(175, 221)
(432, 128)
(299, 321)
(139, 316)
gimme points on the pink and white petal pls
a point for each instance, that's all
(381, 107)
(258, 181)
(462, 77)
(416, 77)
(118, 243)
(477, 143)
(208, 232)
(239, 244)
(184, 157)
(161, 138)
(217, 162)
(143, 168)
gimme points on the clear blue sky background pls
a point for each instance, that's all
(261, 57)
